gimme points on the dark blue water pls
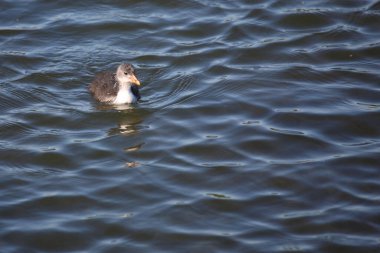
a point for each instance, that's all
(258, 129)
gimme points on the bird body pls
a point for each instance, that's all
(125, 96)
(116, 88)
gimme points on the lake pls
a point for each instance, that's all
(258, 128)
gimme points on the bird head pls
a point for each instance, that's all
(125, 73)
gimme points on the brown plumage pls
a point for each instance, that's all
(116, 88)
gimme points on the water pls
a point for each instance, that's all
(258, 130)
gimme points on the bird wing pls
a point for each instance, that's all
(104, 87)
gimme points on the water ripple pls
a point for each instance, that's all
(257, 130)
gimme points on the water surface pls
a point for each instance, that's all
(258, 130)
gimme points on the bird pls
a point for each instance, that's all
(120, 87)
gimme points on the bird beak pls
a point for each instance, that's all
(135, 80)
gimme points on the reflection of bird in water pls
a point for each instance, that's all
(130, 121)
(116, 88)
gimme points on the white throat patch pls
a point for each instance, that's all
(124, 95)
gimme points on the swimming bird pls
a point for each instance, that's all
(116, 88)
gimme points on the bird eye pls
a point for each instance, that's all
(125, 73)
